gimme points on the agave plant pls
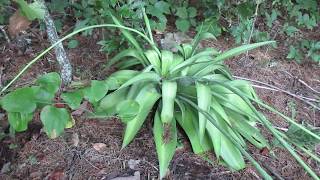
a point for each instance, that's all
(181, 87)
(192, 89)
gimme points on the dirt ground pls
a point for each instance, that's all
(31, 155)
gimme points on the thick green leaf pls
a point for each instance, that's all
(251, 133)
(96, 91)
(19, 121)
(230, 100)
(177, 59)
(238, 50)
(204, 102)
(50, 82)
(21, 100)
(118, 78)
(169, 92)
(73, 99)
(165, 136)
(231, 155)
(153, 59)
(189, 123)
(54, 120)
(128, 63)
(187, 50)
(127, 110)
(215, 136)
(146, 99)
(192, 59)
(166, 62)
(245, 87)
(125, 54)
(108, 104)
(142, 77)
(199, 37)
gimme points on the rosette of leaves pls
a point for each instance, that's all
(180, 87)
(191, 89)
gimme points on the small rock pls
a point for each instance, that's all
(100, 147)
(133, 163)
(6, 168)
(136, 176)
(75, 139)
(36, 174)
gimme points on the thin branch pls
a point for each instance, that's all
(253, 23)
(302, 82)
(274, 88)
(5, 34)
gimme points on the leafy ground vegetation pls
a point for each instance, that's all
(161, 89)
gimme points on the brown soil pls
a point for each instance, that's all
(73, 155)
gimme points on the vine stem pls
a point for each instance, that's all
(66, 37)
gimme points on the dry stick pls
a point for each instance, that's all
(253, 23)
(274, 88)
(64, 63)
(302, 82)
(5, 34)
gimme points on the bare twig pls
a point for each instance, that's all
(274, 88)
(1, 73)
(5, 34)
(302, 82)
(253, 23)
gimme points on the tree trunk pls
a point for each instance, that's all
(64, 63)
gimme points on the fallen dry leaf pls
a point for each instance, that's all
(75, 139)
(81, 109)
(18, 23)
(56, 175)
(100, 147)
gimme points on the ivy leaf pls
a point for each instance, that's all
(21, 100)
(163, 6)
(19, 121)
(50, 82)
(42, 96)
(183, 25)
(290, 30)
(182, 12)
(271, 18)
(96, 91)
(294, 54)
(245, 9)
(54, 120)
(73, 44)
(127, 110)
(192, 12)
(212, 26)
(73, 99)
(31, 11)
